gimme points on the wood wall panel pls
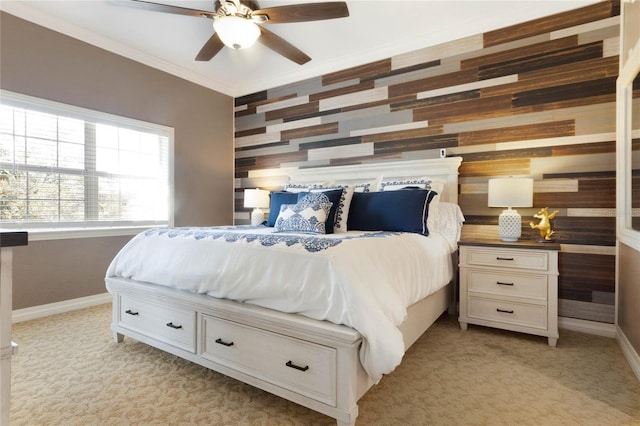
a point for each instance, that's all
(556, 22)
(536, 99)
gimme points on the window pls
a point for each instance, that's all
(72, 168)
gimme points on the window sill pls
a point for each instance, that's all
(46, 234)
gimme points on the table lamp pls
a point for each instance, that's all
(256, 199)
(510, 192)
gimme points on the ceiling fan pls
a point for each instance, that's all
(238, 24)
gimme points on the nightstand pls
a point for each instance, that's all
(512, 286)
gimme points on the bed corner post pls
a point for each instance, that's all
(453, 301)
(347, 386)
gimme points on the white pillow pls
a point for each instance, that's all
(450, 220)
(393, 185)
(305, 187)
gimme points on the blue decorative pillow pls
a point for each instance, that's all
(277, 199)
(308, 215)
(335, 197)
(405, 210)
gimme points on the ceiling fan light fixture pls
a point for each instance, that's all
(236, 32)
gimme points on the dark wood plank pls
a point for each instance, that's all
(585, 149)
(251, 98)
(508, 154)
(398, 105)
(403, 134)
(572, 267)
(520, 166)
(518, 133)
(474, 109)
(304, 132)
(567, 103)
(404, 70)
(415, 144)
(543, 60)
(363, 71)
(250, 132)
(596, 231)
(331, 142)
(580, 199)
(430, 83)
(342, 91)
(605, 86)
(245, 112)
(593, 69)
(547, 24)
(510, 55)
(293, 112)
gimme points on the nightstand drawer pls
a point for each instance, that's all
(508, 284)
(505, 258)
(508, 312)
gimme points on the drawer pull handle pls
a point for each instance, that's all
(172, 325)
(297, 367)
(222, 342)
(130, 312)
(504, 258)
(504, 311)
(501, 283)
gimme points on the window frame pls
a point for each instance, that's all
(89, 229)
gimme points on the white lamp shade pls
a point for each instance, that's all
(511, 192)
(256, 198)
(236, 32)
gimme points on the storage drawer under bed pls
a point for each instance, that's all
(167, 324)
(303, 367)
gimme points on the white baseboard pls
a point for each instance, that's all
(632, 357)
(589, 327)
(41, 311)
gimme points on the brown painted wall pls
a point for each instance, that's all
(42, 63)
(536, 99)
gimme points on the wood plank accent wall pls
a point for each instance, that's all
(535, 99)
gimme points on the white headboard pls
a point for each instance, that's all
(444, 170)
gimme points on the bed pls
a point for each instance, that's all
(335, 323)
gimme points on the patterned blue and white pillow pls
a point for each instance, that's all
(308, 215)
(341, 208)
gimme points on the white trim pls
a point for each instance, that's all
(624, 135)
(630, 354)
(42, 311)
(59, 230)
(73, 233)
(589, 327)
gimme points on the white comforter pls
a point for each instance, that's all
(362, 280)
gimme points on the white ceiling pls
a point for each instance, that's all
(374, 30)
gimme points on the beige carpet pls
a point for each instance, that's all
(70, 372)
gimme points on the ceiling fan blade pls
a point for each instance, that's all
(283, 47)
(210, 48)
(304, 12)
(156, 7)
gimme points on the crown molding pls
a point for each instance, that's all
(24, 11)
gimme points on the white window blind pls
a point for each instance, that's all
(69, 167)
